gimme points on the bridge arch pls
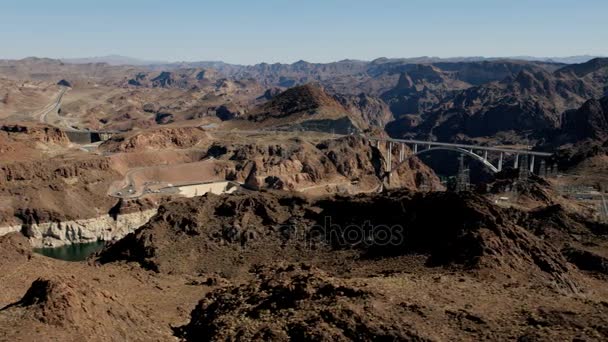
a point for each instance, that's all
(469, 153)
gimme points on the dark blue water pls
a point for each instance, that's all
(75, 252)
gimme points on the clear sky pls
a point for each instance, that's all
(252, 31)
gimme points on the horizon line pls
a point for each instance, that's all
(144, 62)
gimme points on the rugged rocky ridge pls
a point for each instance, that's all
(584, 69)
(370, 110)
(211, 222)
(349, 162)
(25, 171)
(288, 302)
(419, 89)
(76, 308)
(471, 234)
(28, 141)
(351, 77)
(306, 107)
(361, 285)
(56, 191)
(581, 141)
(156, 139)
(573, 156)
(33, 132)
(180, 78)
(294, 302)
(105, 228)
(194, 91)
(65, 201)
(56, 194)
(588, 122)
(525, 106)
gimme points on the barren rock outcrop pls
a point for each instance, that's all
(295, 302)
(471, 233)
(34, 132)
(71, 309)
(306, 107)
(351, 162)
(159, 138)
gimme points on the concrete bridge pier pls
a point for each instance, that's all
(532, 164)
(500, 161)
(542, 171)
(516, 163)
(554, 170)
(401, 152)
(415, 148)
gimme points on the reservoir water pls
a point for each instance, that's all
(75, 252)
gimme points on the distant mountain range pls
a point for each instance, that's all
(124, 60)
(565, 60)
(112, 60)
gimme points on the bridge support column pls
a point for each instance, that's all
(516, 164)
(415, 148)
(401, 152)
(485, 155)
(500, 161)
(389, 157)
(554, 170)
(542, 170)
(532, 164)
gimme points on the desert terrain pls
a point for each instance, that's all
(342, 209)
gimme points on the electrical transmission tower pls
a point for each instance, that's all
(524, 171)
(463, 177)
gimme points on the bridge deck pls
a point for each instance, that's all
(466, 147)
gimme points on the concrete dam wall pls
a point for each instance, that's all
(84, 137)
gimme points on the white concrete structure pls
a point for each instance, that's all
(199, 189)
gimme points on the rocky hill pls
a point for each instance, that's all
(124, 97)
(590, 121)
(582, 140)
(306, 107)
(180, 78)
(584, 69)
(275, 265)
(496, 253)
(348, 164)
(522, 107)
(52, 305)
(156, 139)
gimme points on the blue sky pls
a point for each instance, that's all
(252, 31)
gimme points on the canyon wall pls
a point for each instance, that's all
(106, 228)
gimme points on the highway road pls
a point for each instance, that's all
(53, 106)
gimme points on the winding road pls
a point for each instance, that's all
(53, 106)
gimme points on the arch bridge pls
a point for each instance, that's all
(389, 147)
